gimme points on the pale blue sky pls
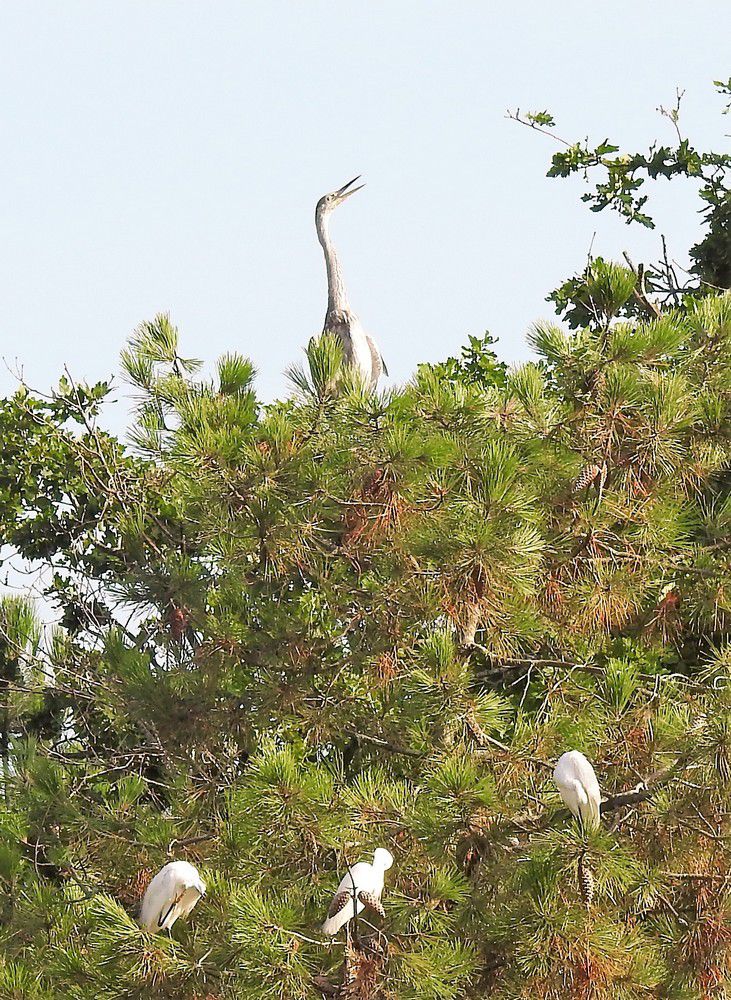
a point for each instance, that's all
(168, 156)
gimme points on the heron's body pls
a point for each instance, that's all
(362, 885)
(578, 787)
(171, 894)
(359, 350)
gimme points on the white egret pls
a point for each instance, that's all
(362, 883)
(172, 893)
(578, 786)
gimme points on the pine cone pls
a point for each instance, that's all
(470, 619)
(362, 972)
(586, 477)
(586, 882)
(177, 622)
(669, 601)
(131, 891)
(372, 902)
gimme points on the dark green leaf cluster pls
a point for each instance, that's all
(621, 187)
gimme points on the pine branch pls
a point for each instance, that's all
(646, 789)
(386, 745)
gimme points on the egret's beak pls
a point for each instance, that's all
(343, 192)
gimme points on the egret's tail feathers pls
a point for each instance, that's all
(332, 925)
(589, 807)
(591, 815)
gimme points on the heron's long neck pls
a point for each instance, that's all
(337, 297)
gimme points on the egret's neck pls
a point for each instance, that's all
(337, 297)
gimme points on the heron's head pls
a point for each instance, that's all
(330, 201)
(382, 858)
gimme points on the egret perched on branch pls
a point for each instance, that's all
(578, 786)
(362, 883)
(173, 893)
(359, 349)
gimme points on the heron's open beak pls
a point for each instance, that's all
(346, 190)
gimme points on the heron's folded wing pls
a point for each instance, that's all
(379, 365)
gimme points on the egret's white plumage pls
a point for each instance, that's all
(578, 786)
(173, 893)
(364, 881)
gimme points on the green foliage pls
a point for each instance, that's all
(292, 633)
(477, 365)
(622, 188)
(343, 622)
(597, 296)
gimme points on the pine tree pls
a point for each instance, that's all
(295, 632)
(344, 621)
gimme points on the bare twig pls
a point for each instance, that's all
(516, 117)
(640, 292)
(673, 114)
